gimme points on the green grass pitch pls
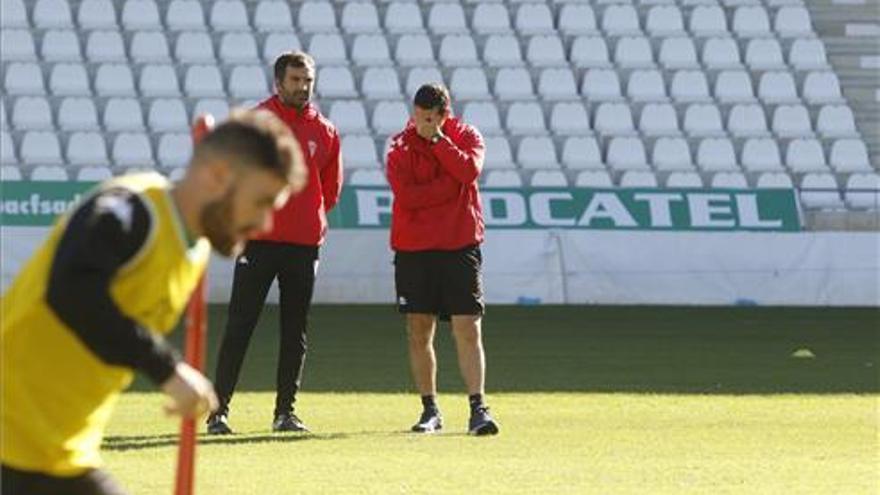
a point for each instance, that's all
(590, 399)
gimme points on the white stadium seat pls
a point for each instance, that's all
(774, 180)
(217, 107)
(248, 81)
(359, 151)
(820, 191)
(729, 180)
(525, 118)
(589, 51)
(203, 81)
(633, 52)
(370, 50)
(174, 149)
(49, 173)
(349, 117)
(591, 178)
(316, 17)
(627, 153)
(23, 78)
(17, 45)
(613, 118)
(646, 85)
(422, 75)
(807, 54)
(367, 178)
(638, 178)
(791, 121)
(185, 15)
(582, 153)
(689, 86)
(777, 87)
(7, 148)
(114, 80)
(123, 114)
(94, 174)
(501, 50)
(678, 53)
(536, 152)
(279, 42)
(48, 14)
(469, 84)
(9, 173)
(389, 117)
(87, 148)
(140, 15)
(716, 154)
(336, 82)
(360, 17)
(484, 116)
(684, 180)
(61, 45)
(849, 155)
(534, 19)
(168, 115)
(569, 118)
(734, 86)
(548, 178)
(702, 119)
(273, 15)
(105, 46)
(664, 20)
(577, 19)
(498, 154)
(158, 80)
(671, 153)
(836, 121)
(751, 21)
(618, 20)
(747, 120)
(150, 47)
(764, 53)
(792, 22)
(77, 114)
(707, 20)
(95, 14)
(721, 53)
(658, 119)
(238, 48)
(863, 191)
(761, 155)
(32, 113)
(490, 18)
(446, 18)
(601, 85)
(40, 147)
(414, 49)
(822, 87)
(545, 51)
(132, 149)
(404, 17)
(503, 178)
(514, 84)
(557, 84)
(380, 83)
(458, 50)
(194, 47)
(14, 14)
(805, 155)
(329, 48)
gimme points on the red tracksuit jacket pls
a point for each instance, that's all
(303, 219)
(436, 198)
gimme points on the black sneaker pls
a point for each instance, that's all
(429, 422)
(481, 422)
(218, 424)
(288, 422)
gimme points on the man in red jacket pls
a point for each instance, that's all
(289, 252)
(436, 231)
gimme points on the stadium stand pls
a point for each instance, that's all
(678, 93)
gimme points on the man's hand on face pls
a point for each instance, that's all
(427, 130)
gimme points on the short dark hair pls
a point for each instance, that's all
(432, 96)
(254, 138)
(296, 59)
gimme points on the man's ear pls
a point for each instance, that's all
(219, 175)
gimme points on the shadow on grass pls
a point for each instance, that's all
(669, 350)
(143, 442)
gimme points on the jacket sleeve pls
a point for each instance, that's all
(412, 195)
(331, 175)
(101, 237)
(463, 161)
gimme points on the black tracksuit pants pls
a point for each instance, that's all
(261, 263)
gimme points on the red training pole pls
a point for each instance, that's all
(194, 354)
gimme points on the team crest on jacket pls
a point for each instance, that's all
(313, 146)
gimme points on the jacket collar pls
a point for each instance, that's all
(290, 114)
